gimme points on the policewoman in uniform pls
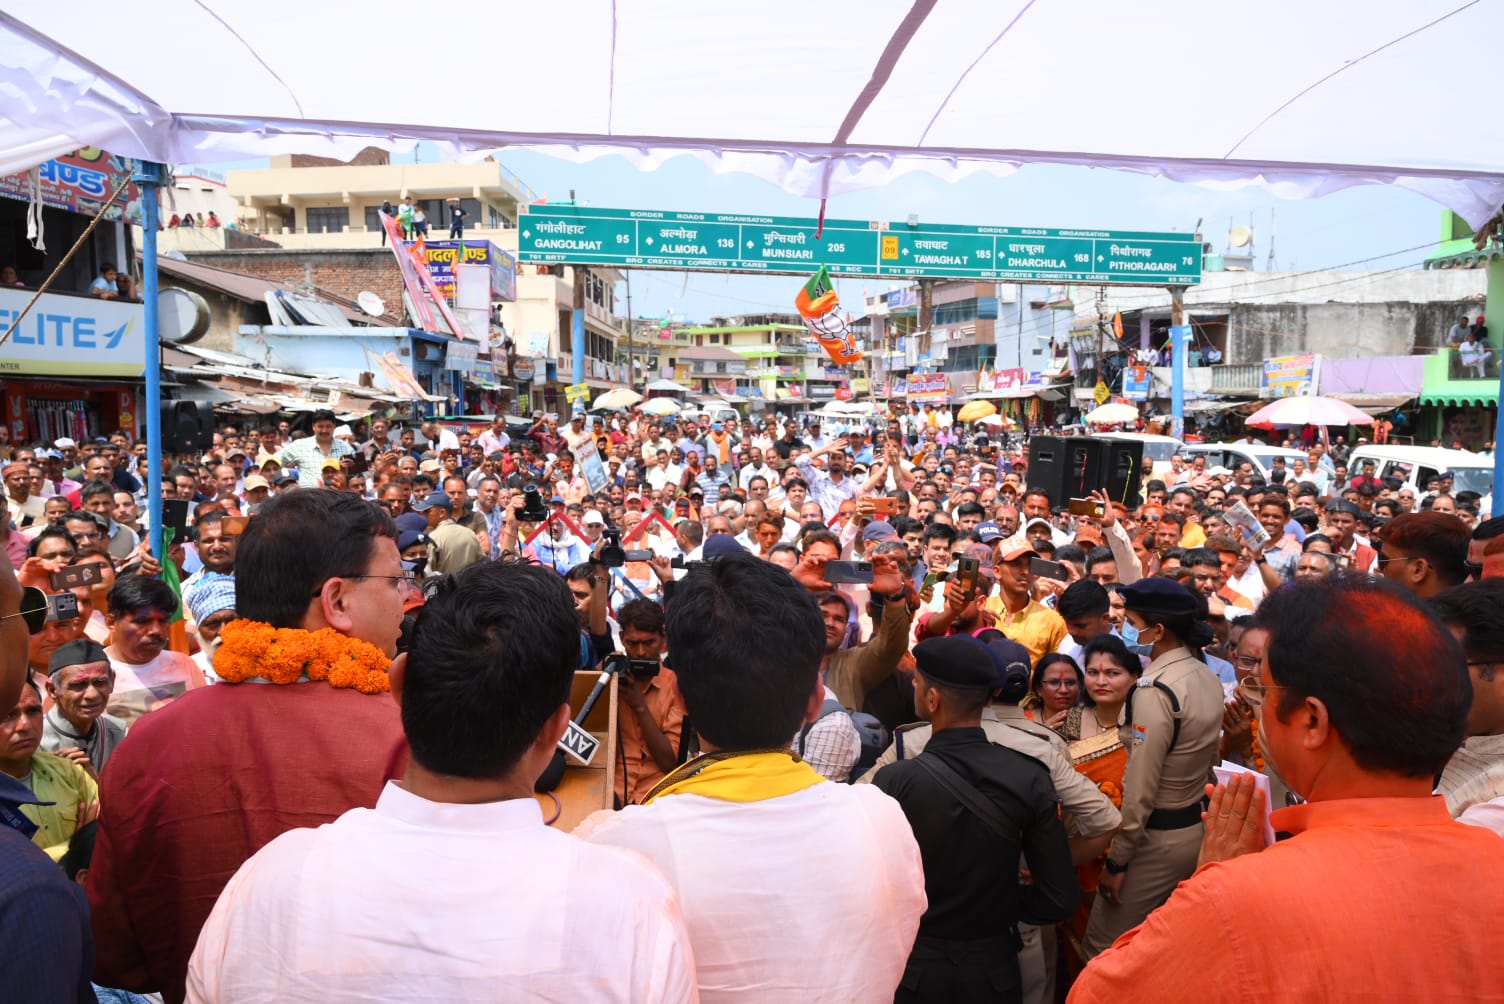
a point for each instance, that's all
(974, 807)
(1171, 727)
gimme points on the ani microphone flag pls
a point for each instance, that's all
(821, 310)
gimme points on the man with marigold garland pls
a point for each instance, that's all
(381, 904)
(303, 729)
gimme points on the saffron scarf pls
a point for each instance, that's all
(739, 777)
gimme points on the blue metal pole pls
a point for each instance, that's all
(149, 177)
(1178, 335)
(1493, 307)
(577, 334)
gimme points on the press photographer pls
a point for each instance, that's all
(650, 719)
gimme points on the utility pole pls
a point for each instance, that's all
(926, 314)
(631, 332)
(1177, 361)
(150, 176)
(577, 332)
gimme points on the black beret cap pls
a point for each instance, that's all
(1165, 597)
(956, 661)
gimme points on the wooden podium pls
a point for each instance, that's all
(586, 789)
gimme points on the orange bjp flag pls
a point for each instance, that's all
(821, 309)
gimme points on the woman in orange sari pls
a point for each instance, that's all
(1098, 752)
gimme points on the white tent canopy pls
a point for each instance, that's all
(819, 98)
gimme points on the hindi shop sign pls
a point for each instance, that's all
(72, 336)
(443, 256)
(79, 182)
(729, 242)
(1290, 376)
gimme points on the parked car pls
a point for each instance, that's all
(1417, 465)
(1230, 455)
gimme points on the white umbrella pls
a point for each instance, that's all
(661, 406)
(1316, 410)
(668, 386)
(1111, 413)
(617, 398)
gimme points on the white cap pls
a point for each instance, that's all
(593, 518)
(65, 444)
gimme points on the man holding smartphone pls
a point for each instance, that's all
(1014, 609)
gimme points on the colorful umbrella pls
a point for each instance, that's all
(1112, 414)
(617, 399)
(1300, 411)
(974, 411)
(661, 406)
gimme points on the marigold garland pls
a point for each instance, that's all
(250, 649)
(1113, 793)
(1253, 742)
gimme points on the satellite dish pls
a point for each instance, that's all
(371, 303)
(182, 316)
(1239, 237)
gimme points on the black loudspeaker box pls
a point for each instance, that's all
(1066, 467)
(1124, 471)
(187, 427)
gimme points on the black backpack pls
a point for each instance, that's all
(871, 732)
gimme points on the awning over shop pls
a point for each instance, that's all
(1440, 389)
(1375, 404)
(1208, 406)
(1480, 400)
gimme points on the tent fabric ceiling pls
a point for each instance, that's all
(820, 98)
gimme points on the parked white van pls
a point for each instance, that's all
(1417, 465)
(1230, 455)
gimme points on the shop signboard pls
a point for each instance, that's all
(72, 336)
(1136, 382)
(443, 256)
(1290, 376)
(80, 182)
(932, 387)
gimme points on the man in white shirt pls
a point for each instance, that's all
(793, 888)
(387, 903)
(756, 468)
(575, 434)
(663, 472)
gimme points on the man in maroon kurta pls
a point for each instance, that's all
(201, 784)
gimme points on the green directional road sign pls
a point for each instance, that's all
(729, 242)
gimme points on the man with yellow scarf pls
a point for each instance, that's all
(793, 888)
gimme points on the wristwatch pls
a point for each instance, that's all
(1260, 560)
(1113, 868)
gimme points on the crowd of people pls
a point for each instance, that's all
(892, 720)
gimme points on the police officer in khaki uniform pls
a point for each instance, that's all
(1171, 727)
(1091, 818)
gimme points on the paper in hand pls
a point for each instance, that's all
(1242, 519)
(1226, 769)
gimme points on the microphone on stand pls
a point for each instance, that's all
(576, 741)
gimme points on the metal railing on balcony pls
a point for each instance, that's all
(1241, 378)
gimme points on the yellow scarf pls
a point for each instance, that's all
(739, 777)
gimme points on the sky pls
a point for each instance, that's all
(1379, 226)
